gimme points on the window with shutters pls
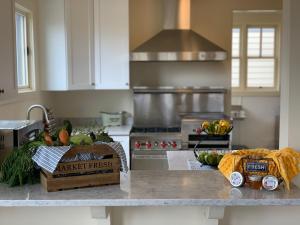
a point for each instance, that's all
(24, 48)
(255, 52)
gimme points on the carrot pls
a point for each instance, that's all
(64, 137)
(48, 139)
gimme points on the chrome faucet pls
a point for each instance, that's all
(48, 118)
(43, 108)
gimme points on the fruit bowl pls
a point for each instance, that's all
(211, 158)
(217, 127)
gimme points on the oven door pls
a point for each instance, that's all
(149, 160)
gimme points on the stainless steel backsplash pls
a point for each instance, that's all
(166, 106)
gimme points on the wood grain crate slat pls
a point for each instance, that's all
(64, 183)
(81, 167)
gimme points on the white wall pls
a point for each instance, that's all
(290, 80)
(17, 108)
(46, 216)
(261, 127)
(143, 25)
(264, 215)
(90, 103)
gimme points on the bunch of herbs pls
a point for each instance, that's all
(18, 168)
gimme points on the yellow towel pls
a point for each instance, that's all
(287, 162)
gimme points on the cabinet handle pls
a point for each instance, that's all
(93, 84)
(1, 91)
(126, 84)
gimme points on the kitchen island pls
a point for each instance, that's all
(189, 192)
(153, 188)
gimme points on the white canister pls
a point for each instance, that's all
(110, 119)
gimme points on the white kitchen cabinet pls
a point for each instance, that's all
(84, 44)
(66, 44)
(80, 40)
(124, 140)
(8, 85)
(112, 44)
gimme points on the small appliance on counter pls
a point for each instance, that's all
(110, 119)
(14, 133)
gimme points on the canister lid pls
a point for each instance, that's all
(237, 179)
(270, 182)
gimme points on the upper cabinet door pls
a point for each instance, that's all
(111, 44)
(53, 62)
(7, 51)
(66, 44)
(83, 43)
(80, 43)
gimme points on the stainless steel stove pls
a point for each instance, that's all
(149, 146)
(158, 116)
(156, 138)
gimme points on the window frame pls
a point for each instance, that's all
(243, 89)
(30, 59)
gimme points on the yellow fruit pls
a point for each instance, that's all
(224, 123)
(205, 125)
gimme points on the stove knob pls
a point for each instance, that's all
(163, 144)
(169, 144)
(156, 144)
(137, 145)
(148, 145)
(174, 144)
(198, 130)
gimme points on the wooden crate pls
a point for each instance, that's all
(69, 175)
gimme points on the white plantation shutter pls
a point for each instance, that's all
(261, 60)
(235, 63)
(236, 35)
(268, 42)
(235, 72)
(261, 73)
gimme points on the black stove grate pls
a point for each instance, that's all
(156, 130)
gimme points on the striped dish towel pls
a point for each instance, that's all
(120, 151)
(48, 157)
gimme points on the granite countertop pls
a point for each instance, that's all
(119, 130)
(90, 124)
(179, 160)
(153, 188)
(123, 130)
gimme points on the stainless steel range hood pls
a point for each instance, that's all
(177, 42)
